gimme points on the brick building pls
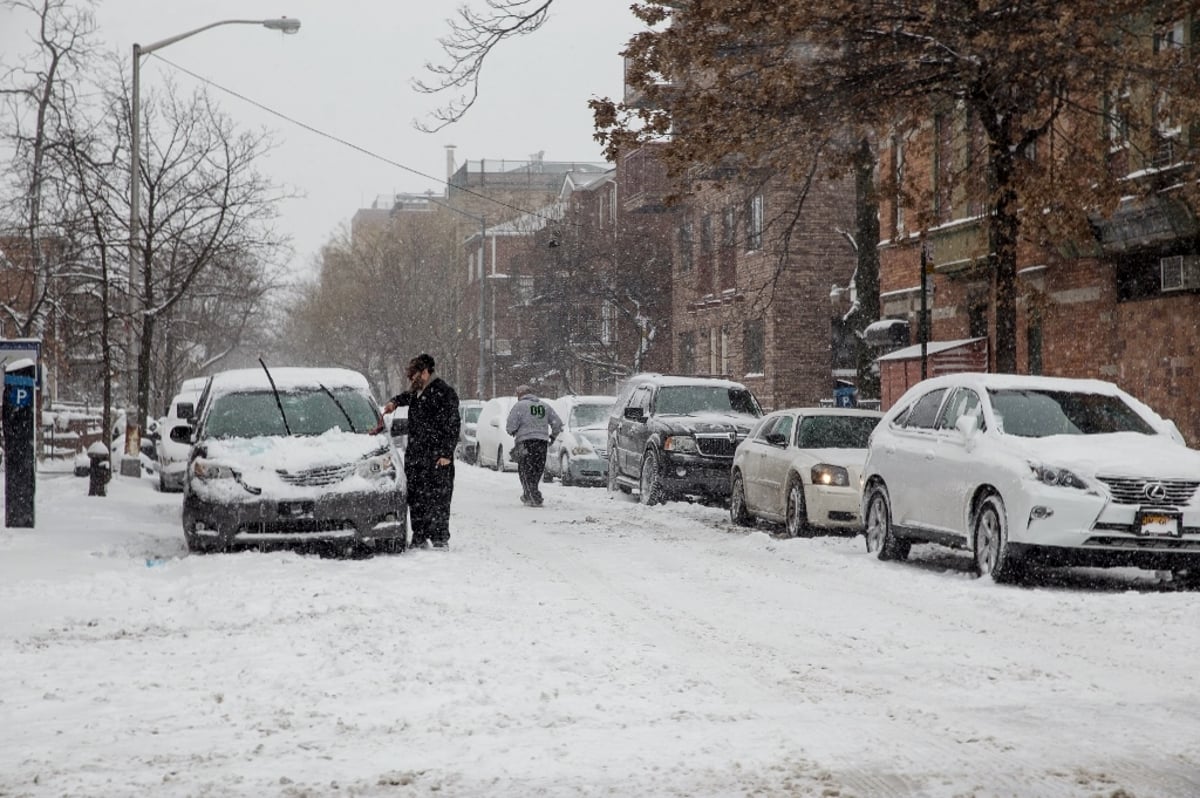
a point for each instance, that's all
(1125, 310)
(753, 284)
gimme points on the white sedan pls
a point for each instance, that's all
(1020, 469)
(801, 466)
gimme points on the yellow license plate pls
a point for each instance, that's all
(1158, 524)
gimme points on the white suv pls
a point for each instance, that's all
(1019, 469)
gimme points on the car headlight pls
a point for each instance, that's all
(208, 470)
(380, 466)
(825, 474)
(681, 443)
(1060, 477)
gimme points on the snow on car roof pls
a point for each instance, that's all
(286, 378)
(671, 379)
(829, 411)
(586, 400)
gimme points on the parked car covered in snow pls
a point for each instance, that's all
(298, 455)
(1022, 469)
(467, 448)
(579, 455)
(801, 467)
(672, 436)
(495, 445)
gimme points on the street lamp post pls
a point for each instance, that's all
(136, 275)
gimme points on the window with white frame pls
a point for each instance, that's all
(724, 350)
(525, 286)
(608, 323)
(754, 222)
(898, 183)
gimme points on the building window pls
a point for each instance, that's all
(713, 350)
(977, 317)
(898, 184)
(1116, 115)
(728, 251)
(685, 247)
(525, 286)
(687, 353)
(1034, 338)
(753, 346)
(608, 323)
(724, 351)
(706, 253)
(754, 223)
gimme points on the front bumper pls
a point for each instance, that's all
(359, 516)
(696, 475)
(833, 507)
(1056, 526)
(173, 474)
(588, 469)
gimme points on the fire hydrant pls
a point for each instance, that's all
(99, 469)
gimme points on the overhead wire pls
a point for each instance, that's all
(356, 147)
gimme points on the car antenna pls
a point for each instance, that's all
(275, 391)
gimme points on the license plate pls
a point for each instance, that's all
(296, 509)
(1158, 523)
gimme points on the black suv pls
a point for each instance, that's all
(674, 436)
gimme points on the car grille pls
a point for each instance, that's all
(1144, 542)
(717, 446)
(1134, 490)
(297, 526)
(327, 475)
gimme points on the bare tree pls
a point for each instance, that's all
(37, 93)
(472, 37)
(208, 212)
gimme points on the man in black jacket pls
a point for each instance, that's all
(429, 456)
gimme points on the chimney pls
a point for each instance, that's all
(449, 163)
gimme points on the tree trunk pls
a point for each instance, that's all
(1002, 238)
(866, 275)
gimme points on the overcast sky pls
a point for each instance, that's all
(348, 72)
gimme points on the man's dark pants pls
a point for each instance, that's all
(531, 466)
(430, 488)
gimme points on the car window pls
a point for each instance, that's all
(641, 399)
(308, 412)
(784, 427)
(963, 402)
(683, 400)
(835, 432)
(764, 428)
(1038, 413)
(925, 412)
(471, 414)
(583, 416)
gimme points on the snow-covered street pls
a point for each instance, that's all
(590, 647)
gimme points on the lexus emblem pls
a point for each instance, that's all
(733, 437)
(1155, 491)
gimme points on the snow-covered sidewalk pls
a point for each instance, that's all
(590, 647)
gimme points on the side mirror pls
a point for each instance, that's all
(399, 427)
(181, 433)
(634, 414)
(186, 410)
(967, 425)
(777, 439)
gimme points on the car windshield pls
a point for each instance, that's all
(683, 400)
(471, 414)
(1037, 413)
(835, 432)
(309, 412)
(589, 416)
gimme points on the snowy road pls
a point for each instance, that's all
(591, 647)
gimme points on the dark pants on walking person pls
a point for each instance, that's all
(430, 488)
(530, 468)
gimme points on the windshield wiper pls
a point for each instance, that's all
(349, 420)
(278, 401)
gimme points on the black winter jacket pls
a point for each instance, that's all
(432, 422)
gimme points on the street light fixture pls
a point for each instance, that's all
(283, 24)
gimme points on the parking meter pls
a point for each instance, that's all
(19, 413)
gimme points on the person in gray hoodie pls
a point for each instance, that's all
(533, 424)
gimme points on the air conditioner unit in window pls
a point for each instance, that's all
(1179, 272)
(503, 347)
